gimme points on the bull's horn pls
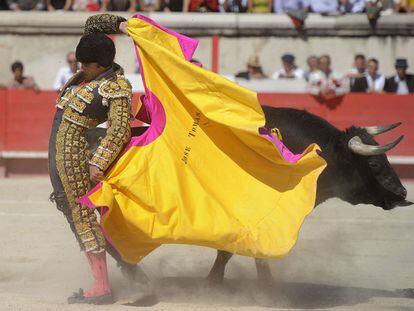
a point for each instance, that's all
(357, 146)
(375, 130)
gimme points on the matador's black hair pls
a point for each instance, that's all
(96, 48)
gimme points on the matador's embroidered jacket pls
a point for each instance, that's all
(106, 98)
(89, 104)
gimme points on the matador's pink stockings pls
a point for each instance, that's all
(97, 262)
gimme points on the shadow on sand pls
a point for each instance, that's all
(274, 295)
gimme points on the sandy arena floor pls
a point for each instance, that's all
(347, 258)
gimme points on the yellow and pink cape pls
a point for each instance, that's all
(205, 172)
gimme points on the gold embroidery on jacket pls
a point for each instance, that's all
(77, 104)
(118, 134)
(81, 120)
(72, 154)
(85, 94)
(115, 88)
(103, 23)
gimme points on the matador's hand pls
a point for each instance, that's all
(95, 174)
(123, 27)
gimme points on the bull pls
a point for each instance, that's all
(358, 170)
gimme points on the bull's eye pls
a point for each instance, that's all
(373, 165)
(387, 183)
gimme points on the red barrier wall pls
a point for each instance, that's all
(3, 118)
(26, 116)
(358, 109)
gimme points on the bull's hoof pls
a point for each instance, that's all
(145, 301)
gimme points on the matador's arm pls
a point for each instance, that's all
(118, 133)
(103, 23)
(119, 130)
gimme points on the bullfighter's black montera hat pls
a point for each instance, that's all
(96, 48)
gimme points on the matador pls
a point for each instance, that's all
(99, 92)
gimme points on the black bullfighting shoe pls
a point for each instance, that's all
(78, 297)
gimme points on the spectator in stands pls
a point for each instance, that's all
(25, 5)
(285, 6)
(254, 70)
(149, 5)
(119, 5)
(372, 81)
(351, 6)
(404, 6)
(373, 9)
(172, 5)
(201, 6)
(289, 70)
(20, 81)
(235, 6)
(65, 73)
(53, 5)
(295, 9)
(359, 69)
(85, 5)
(322, 6)
(325, 82)
(259, 6)
(313, 65)
(3, 5)
(401, 83)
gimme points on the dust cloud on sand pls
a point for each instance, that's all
(347, 257)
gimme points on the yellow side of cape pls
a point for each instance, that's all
(209, 179)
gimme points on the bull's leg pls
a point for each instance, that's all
(140, 290)
(216, 274)
(263, 271)
(132, 272)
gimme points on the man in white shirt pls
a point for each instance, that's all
(65, 73)
(359, 69)
(375, 80)
(313, 65)
(351, 6)
(372, 81)
(325, 82)
(402, 83)
(285, 6)
(322, 6)
(289, 70)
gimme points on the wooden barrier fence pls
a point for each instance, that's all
(26, 117)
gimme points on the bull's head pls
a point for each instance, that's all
(375, 180)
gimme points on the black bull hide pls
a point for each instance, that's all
(351, 177)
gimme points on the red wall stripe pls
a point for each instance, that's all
(26, 116)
